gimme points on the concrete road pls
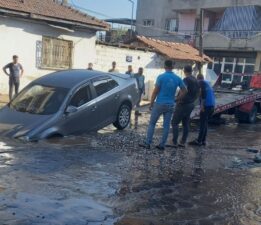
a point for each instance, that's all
(105, 178)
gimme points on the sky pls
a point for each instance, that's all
(106, 9)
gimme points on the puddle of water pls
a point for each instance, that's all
(97, 178)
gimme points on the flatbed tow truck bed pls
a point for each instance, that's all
(232, 101)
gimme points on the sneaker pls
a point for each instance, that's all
(182, 145)
(195, 143)
(160, 147)
(137, 113)
(144, 145)
(172, 146)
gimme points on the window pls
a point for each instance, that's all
(104, 85)
(56, 53)
(148, 23)
(39, 99)
(249, 68)
(112, 83)
(81, 97)
(233, 65)
(171, 25)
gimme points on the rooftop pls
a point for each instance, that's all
(175, 51)
(67, 78)
(49, 10)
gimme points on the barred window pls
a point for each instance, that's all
(56, 53)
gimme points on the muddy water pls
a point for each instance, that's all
(104, 178)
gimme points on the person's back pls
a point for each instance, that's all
(168, 83)
(164, 93)
(192, 88)
(207, 93)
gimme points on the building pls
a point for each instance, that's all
(147, 53)
(232, 29)
(47, 35)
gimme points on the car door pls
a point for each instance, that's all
(107, 99)
(84, 117)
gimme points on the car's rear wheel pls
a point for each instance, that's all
(123, 117)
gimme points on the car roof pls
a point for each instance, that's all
(68, 78)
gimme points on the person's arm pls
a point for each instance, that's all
(143, 85)
(155, 92)
(5, 69)
(22, 70)
(154, 95)
(183, 91)
(202, 96)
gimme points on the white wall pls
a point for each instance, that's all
(20, 37)
(152, 63)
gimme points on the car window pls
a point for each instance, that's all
(112, 83)
(104, 85)
(81, 97)
(39, 99)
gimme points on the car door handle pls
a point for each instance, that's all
(94, 108)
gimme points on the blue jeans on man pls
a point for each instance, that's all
(160, 109)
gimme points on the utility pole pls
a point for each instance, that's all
(132, 17)
(201, 29)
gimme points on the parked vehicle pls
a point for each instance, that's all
(239, 95)
(69, 102)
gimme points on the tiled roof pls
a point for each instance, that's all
(48, 9)
(176, 51)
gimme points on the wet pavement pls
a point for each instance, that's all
(104, 178)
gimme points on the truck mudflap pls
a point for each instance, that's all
(246, 108)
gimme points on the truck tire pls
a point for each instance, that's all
(250, 117)
(123, 117)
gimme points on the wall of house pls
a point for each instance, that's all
(166, 9)
(23, 38)
(152, 63)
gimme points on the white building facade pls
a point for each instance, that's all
(45, 44)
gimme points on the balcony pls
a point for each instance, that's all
(232, 41)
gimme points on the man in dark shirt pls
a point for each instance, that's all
(184, 108)
(207, 108)
(130, 70)
(15, 73)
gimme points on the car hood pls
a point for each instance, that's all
(15, 124)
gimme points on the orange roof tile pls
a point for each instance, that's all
(176, 51)
(50, 9)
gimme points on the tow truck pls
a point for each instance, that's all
(238, 95)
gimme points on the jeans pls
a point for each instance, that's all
(204, 117)
(140, 96)
(181, 114)
(13, 82)
(157, 111)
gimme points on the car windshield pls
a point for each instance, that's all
(39, 99)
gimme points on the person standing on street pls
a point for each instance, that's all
(141, 83)
(15, 72)
(114, 69)
(130, 70)
(90, 66)
(164, 94)
(207, 108)
(184, 108)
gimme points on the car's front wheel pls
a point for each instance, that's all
(123, 117)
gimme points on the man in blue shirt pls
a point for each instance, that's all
(164, 94)
(207, 108)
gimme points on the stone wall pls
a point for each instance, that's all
(152, 63)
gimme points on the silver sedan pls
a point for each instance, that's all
(69, 102)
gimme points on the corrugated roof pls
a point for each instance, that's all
(176, 51)
(51, 9)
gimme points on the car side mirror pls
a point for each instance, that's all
(71, 109)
